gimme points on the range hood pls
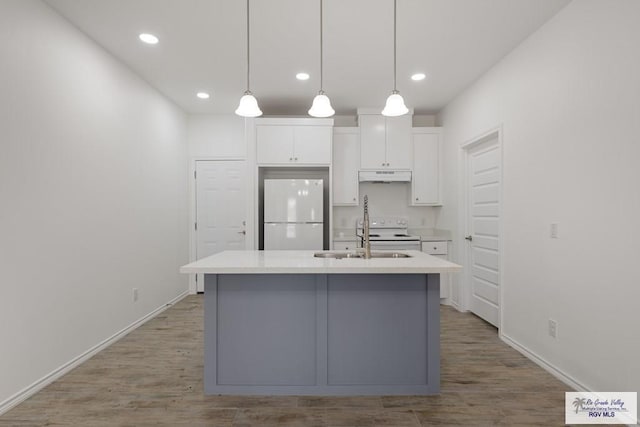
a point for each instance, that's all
(385, 176)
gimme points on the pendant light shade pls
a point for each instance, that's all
(321, 106)
(248, 104)
(395, 104)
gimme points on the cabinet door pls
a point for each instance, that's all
(346, 158)
(439, 250)
(398, 136)
(312, 144)
(425, 185)
(274, 144)
(372, 142)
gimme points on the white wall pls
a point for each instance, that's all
(93, 195)
(216, 135)
(391, 199)
(568, 100)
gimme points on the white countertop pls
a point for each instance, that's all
(303, 262)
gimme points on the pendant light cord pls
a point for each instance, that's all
(321, 48)
(395, 44)
(248, 55)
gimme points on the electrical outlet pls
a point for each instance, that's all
(135, 294)
(553, 329)
(554, 231)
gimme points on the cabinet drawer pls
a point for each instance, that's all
(435, 248)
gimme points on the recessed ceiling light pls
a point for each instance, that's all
(202, 95)
(302, 76)
(148, 38)
(418, 76)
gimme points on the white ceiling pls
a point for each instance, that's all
(202, 47)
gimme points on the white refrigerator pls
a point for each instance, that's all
(293, 210)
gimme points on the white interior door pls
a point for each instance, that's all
(220, 208)
(483, 229)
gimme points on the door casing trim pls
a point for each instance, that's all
(193, 241)
(464, 286)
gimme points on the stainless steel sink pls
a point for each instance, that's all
(338, 255)
(341, 255)
(389, 255)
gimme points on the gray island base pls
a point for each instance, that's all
(322, 334)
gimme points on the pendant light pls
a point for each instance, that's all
(321, 106)
(248, 104)
(395, 104)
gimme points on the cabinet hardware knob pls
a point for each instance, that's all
(290, 158)
(417, 198)
(383, 164)
(354, 199)
(469, 238)
(296, 159)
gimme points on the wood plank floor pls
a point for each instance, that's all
(153, 376)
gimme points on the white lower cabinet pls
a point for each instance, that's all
(350, 245)
(440, 249)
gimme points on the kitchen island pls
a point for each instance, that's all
(286, 322)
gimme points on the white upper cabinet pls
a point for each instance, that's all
(312, 144)
(274, 144)
(385, 142)
(346, 160)
(293, 141)
(373, 140)
(426, 182)
(399, 142)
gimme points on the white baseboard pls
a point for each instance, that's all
(538, 360)
(32, 389)
(552, 369)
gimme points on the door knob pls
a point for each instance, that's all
(469, 238)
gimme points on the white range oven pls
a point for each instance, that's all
(389, 233)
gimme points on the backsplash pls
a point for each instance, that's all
(391, 199)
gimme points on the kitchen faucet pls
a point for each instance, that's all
(365, 229)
